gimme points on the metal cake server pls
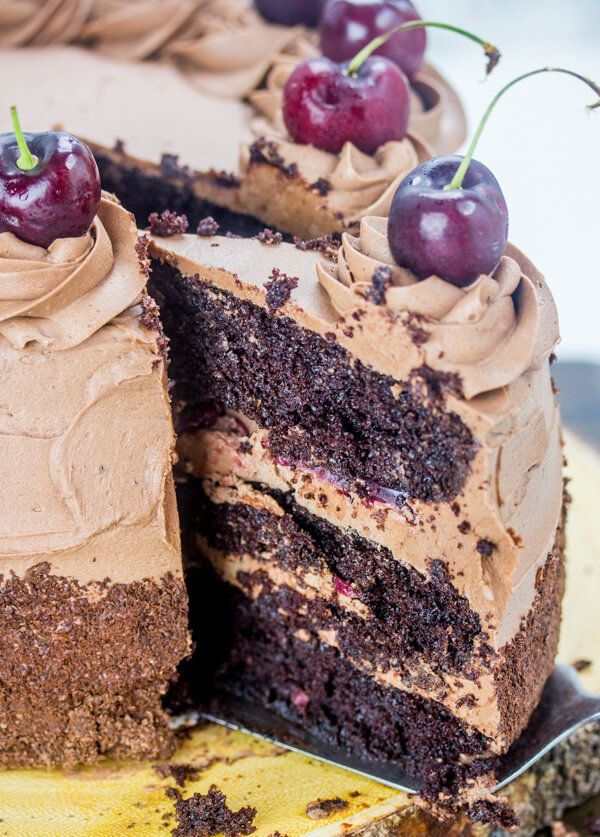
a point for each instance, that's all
(564, 708)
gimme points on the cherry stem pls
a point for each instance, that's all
(492, 52)
(26, 161)
(457, 180)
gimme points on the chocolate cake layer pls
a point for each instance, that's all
(409, 617)
(411, 632)
(83, 667)
(320, 406)
(143, 190)
(313, 684)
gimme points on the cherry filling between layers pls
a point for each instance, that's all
(412, 619)
(319, 405)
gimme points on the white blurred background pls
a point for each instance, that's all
(541, 143)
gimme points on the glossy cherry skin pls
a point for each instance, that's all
(58, 198)
(456, 234)
(291, 12)
(324, 106)
(349, 25)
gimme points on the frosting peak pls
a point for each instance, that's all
(488, 333)
(57, 297)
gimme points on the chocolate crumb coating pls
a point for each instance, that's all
(79, 683)
(205, 815)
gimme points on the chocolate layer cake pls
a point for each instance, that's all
(93, 607)
(370, 487)
(152, 77)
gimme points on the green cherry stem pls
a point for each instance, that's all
(492, 53)
(461, 171)
(26, 161)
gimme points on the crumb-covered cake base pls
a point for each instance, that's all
(84, 668)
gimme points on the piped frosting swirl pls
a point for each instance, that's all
(58, 297)
(225, 47)
(488, 333)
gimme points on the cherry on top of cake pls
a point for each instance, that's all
(366, 100)
(49, 185)
(292, 12)
(449, 217)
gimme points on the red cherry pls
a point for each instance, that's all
(326, 106)
(349, 25)
(52, 193)
(456, 234)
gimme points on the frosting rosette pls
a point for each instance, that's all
(232, 48)
(59, 296)
(488, 333)
(137, 29)
(41, 22)
(354, 183)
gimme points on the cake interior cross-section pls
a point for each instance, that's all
(371, 500)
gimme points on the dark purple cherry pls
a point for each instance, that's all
(49, 185)
(448, 216)
(325, 105)
(349, 25)
(457, 234)
(291, 12)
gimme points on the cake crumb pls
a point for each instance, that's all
(322, 186)
(492, 811)
(265, 151)
(380, 282)
(207, 227)
(582, 665)
(485, 548)
(167, 223)
(323, 808)
(328, 245)
(181, 773)
(279, 288)
(267, 236)
(204, 815)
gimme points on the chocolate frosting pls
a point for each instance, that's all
(58, 297)
(84, 412)
(225, 47)
(232, 47)
(358, 184)
(488, 333)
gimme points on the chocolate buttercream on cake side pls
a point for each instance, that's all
(90, 560)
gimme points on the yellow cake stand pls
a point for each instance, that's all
(129, 799)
